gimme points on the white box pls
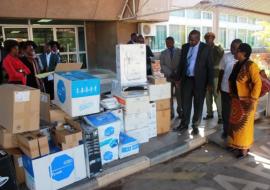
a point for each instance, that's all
(108, 125)
(127, 146)
(159, 91)
(136, 121)
(119, 113)
(77, 93)
(118, 90)
(153, 120)
(131, 64)
(109, 150)
(56, 170)
(141, 135)
(134, 104)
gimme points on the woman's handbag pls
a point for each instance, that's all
(265, 83)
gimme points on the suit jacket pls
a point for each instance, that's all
(203, 66)
(169, 66)
(54, 60)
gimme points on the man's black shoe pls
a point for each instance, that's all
(181, 128)
(220, 121)
(208, 117)
(195, 131)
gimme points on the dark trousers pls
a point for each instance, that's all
(176, 91)
(49, 88)
(226, 108)
(191, 95)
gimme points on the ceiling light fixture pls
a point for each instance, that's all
(44, 20)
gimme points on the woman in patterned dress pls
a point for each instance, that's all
(245, 87)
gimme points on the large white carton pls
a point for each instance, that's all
(119, 113)
(135, 121)
(109, 150)
(128, 146)
(108, 125)
(131, 64)
(141, 135)
(159, 91)
(56, 170)
(134, 104)
(152, 120)
(77, 93)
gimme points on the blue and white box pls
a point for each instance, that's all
(56, 170)
(127, 146)
(77, 93)
(109, 150)
(109, 127)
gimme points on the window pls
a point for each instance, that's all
(232, 18)
(66, 38)
(242, 34)
(178, 33)
(1, 37)
(82, 52)
(222, 37)
(19, 34)
(223, 17)
(231, 36)
(206, 29)
(178, 13)
(242, 19)
(190, 28)
(41, 36)
(251, 38)
(207, 15)
(251, 20)
(158, 42)
(193, 14)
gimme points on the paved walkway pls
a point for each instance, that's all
(210, 167)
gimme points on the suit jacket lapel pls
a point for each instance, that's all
(199, 53)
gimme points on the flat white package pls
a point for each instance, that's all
(131, 64)
(136, 121)
(77, 93)
(141, 135)
(56, 170)
(152, 120)
(159, 91)
(128, 146)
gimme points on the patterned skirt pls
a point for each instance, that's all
(241, 128)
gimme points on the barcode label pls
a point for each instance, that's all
(22, 96)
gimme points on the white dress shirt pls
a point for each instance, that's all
(48, 57)
(227, 63)
(191, 59)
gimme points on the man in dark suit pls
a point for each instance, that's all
(49, 61)
(195, 75)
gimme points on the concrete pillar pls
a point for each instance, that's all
(216, 23)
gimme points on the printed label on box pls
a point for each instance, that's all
(43, 98)
(61, 91)
(22, 96)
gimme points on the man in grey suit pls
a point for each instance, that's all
(195, 75)
(169, 61)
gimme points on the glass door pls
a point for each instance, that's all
(19, 34)
(41, 36)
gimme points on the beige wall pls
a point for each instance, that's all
(102, 38)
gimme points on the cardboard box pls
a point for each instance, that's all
(163, 104)
(152, 120)
(55, 170)
(127, 146)
(33, 144)
(136, 121)
(156, 80)
(108, 125)
(7, 139)
(131, 64)
(134, 104)
(141, 135)
(17, 158)
(67, 135)
(109, 150)
(19, 108)
(92, 150)
(159, 91)
(163, 121)
(77, 93)
(7, 172)
(49, 112)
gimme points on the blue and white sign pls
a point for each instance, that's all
(77, 93)
(109, 150)
(128, 146)
(61, 167)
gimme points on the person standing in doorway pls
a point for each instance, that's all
(149, 54)
(55, 49)
(133, 38)
(226, 67)
(169, 62)
(217, 56)
(195, 73)
(49, 61)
